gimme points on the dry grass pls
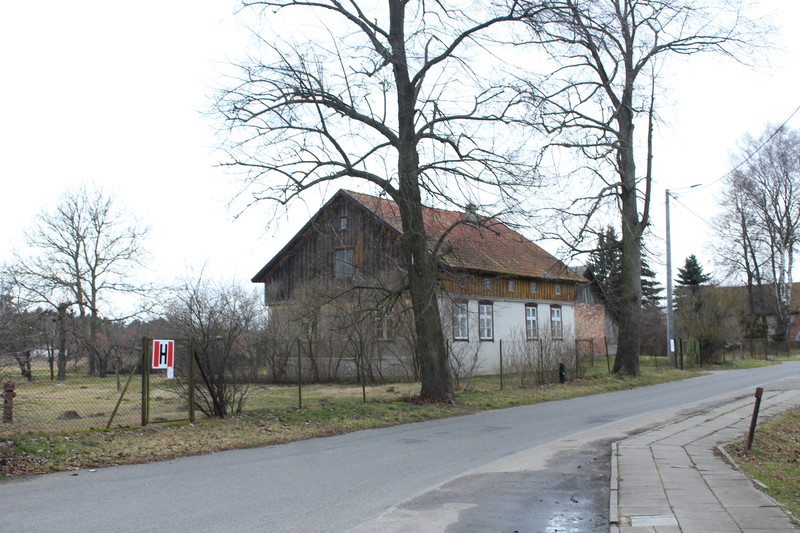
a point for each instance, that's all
(774, 459)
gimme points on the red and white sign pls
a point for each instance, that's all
(163, 353)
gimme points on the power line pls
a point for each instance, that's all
(752, 154)
(701, 219)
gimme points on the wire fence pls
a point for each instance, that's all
(134, 398)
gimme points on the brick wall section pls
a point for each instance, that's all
(590, 323)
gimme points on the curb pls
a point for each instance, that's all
(613, 491)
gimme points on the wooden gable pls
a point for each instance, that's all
(342, 244)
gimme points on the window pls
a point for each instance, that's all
(558, 289)
(487, 284)
(383, 327)
(512, 285)
(531, 322)
(485, 321)
(460, 322)
(462, 281)
(343, 267)
(556, 326)
(342, 223)
(534, 286)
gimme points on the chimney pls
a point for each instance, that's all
(472, 213)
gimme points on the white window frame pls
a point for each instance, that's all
(486, 321)
(383, 327)
(531, 322)
(460, 321)
(556, 322)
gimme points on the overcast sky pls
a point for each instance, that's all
(113, 93)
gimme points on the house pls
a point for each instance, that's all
(760, 304)
(340, 276)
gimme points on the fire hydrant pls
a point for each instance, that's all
(8, 402)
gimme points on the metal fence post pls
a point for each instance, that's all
(362, 373)
(501, 364)
(145, 383)
(699, 354)
(299, 378)
(192, 358)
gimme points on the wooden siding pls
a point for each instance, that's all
(470, 284)
(311, 260)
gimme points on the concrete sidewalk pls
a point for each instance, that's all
(671, 479)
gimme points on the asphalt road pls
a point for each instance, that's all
(540, 468)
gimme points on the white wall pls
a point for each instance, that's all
(509, 326)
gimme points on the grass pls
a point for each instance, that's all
(774, 458)
(323, 414)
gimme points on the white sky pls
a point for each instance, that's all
(112, 93)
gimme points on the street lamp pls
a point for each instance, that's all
(670, 336)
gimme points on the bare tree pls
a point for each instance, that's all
(742, 245)
(608, 56)
(382, 95)
(220, 321)
(764, 197)
(81, 253)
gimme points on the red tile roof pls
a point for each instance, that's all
(490, 246)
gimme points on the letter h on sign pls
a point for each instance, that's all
(163, 353)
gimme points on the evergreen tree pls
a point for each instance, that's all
(605, 269)
(692, 275)
(651, 288)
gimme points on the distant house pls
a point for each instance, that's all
(761, 305)
(495, 285)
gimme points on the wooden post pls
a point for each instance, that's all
(8, 402)
(754, 419)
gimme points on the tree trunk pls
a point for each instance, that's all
(62, 343)
(437, 383)
(627, 359)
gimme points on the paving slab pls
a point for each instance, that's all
(672, 479)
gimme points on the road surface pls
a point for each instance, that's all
(532, 468)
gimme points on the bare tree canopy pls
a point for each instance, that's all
(389, 93)
(760, 224)
(81, 253)
(599, 102)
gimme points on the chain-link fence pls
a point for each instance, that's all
(307, 375)
(690, 353)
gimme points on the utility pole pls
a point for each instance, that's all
(670, 322)
(670, 337)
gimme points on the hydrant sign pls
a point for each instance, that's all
(163, 353)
